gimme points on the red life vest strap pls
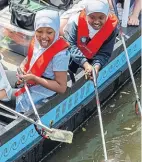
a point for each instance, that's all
(42, 62)
(91, 49)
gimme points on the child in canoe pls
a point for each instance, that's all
(91, 33)
(45, 67)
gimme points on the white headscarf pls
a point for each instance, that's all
(96, 6)
(48, 18)
(90, 6)
(45, 18)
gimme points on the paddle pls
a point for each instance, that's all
(137, 104)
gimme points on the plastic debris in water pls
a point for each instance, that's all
(125, 92)
(113, 105)
(83, 129)
(127, 128)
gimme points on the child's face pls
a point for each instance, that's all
(45, 36)
(97, 20)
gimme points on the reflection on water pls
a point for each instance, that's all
(122, 133)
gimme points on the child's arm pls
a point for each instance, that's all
(71, 36)
(110, 4)
(104, 53)
(133, 18)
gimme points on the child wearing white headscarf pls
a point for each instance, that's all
(54, 78)
(73, 11)
(78, 58)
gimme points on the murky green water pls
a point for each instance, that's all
(122, 133)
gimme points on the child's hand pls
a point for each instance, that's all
(133, 20)
(27, 77)
(22, 68)
(19, 74)
(88, 70)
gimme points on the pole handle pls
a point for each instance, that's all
(94, 77)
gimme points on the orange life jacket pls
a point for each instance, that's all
(42, 62)
(90, 49)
